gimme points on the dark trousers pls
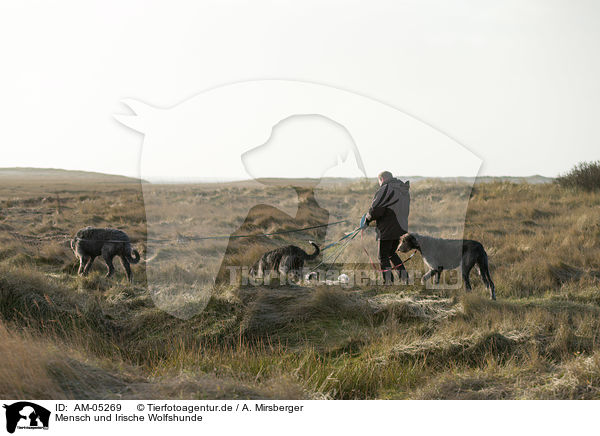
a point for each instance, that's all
(387, 254)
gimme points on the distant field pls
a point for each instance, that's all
(63, 336)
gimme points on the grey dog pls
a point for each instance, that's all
(91, 242)
(440, 254)
(288, 259)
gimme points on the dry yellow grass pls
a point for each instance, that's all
(24, 366)
(65, 336)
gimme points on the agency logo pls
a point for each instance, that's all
(26, 415)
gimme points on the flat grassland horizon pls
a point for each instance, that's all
(64, 336)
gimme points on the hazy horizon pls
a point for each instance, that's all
(213, 180)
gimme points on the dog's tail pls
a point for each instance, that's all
(133, 256)
(315, 254)
(484, 270)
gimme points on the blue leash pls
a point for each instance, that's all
(349, 237)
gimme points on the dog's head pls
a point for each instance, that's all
(408, 242)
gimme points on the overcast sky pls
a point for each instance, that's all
(515, 82)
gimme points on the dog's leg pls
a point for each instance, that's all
(83, 260)
(465, 275)
(467, 264)
(484, 272)
(88, 265)
(483, 277)
(490, 284)
(107, 255)
(109, 264)
(127, 267)
(427, 275)
(261, 269)
(298, 266)
(438, 274)
(286, 266)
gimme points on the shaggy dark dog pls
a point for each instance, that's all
(289, 259)
(91, 242)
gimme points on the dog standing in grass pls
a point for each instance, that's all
(287, 260)
(440, 254)
(91, 242)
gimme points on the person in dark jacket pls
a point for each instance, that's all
(389, 209)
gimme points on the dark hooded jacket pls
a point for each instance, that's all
(390, 208)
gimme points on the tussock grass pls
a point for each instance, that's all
(63, 336)
(24, 366)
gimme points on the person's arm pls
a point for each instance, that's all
(375, 211)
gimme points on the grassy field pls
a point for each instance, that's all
(64, 336)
